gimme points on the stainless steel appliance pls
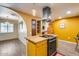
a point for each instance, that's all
(52, 46)
(51, 49)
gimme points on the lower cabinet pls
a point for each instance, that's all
(38, 49)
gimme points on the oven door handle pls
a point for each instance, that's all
(52, 40)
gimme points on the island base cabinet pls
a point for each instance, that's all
(42, 50)
(38, 49)
(31, 49)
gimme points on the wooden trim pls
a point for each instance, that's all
(31, 41)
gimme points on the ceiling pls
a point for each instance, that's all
(58, 9)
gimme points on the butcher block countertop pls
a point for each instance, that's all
(36, 39)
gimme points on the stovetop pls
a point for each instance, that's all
(48, 36)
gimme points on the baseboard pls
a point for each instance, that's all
(67, 41)
(9, 39)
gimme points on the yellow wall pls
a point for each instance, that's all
(27, 18)
(69, 31)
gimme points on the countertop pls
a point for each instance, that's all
(36, 39)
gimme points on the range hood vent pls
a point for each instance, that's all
(46, 14)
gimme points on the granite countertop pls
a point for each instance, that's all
(36, 39)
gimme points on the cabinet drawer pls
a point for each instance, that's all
(42, 43)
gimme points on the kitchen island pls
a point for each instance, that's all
(38, 46)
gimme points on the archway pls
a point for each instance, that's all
(22, 28)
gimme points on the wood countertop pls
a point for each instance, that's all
(36, 39)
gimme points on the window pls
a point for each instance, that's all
(6, 27)
(10, 28)
(21, 26)
(3, 27)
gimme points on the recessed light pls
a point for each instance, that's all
(59, 17)
(68, 12)
(33, 12)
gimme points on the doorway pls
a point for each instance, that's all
(14, 30)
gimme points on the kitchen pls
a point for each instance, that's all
(47, 29)
(42, 44)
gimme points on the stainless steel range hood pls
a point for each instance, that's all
(46, 14)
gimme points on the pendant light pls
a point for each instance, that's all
(33, 10)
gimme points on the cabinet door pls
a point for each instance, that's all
(42, 50)
(33, 27)
(31, 49)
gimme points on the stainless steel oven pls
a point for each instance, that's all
(51, 46)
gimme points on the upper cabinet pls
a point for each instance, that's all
(36, 27)
(33, 27)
